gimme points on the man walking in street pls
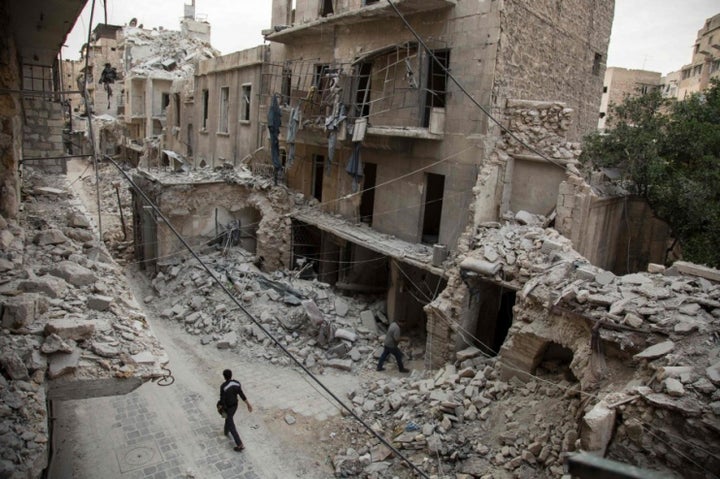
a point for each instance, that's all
(229, 392)
(392, 338)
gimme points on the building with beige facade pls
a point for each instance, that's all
(705, 63)
(622, 82)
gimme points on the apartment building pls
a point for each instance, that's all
(621, 83)
(705, 63)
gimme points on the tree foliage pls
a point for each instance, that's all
(669, 153)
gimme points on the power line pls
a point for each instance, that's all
(259, 324)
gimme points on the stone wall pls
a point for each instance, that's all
(599, 228)
(10, 123)
(43, 134)
(553, 49)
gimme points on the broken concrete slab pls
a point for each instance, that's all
(342, 364)
(367, 318)
(341, 307)
(346, 334)
(468, 353)
(713, 373)
(13, 365)
(674, 387)
(55, 344)
(697, 270)
(655, 351)
(228, 341)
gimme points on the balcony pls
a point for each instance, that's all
(380, 10)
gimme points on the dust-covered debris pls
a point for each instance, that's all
(70, 326)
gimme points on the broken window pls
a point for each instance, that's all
(597, 63)
(434, 191)
(164, 103)
(245, 102)
(362, 95)
(605, 89)
(326, 8)
(206, 97)
(224, 109)
(436, 82)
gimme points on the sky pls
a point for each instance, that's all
(654, 35)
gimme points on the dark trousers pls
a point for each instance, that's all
(230, 424)
(395, 352)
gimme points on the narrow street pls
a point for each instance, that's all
(174, 431)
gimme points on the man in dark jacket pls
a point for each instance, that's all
(229, 392)
(392, 339)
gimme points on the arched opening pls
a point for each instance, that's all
(554, 360)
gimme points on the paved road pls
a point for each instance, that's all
(174, 432)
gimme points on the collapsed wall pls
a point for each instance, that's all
(203, 205)
(71, 328)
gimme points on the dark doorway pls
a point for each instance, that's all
(362, 95)
(436, 82)
(367, 201)
(306, 244)
(489, 317)
(317, 178)
(434, 190)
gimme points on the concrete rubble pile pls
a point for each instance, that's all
(321, 328)
(166, 53)
(640, 383)
(464, 421)
(70, 326)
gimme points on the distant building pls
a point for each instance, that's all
(621, 83)
(670, 84)
(705, 62)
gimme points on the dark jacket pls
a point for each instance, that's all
(229, 391)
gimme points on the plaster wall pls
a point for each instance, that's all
(232, 71)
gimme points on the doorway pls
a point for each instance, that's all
(317, 176)
(367, 200)
(434, 191)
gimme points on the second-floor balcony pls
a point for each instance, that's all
(359, 14)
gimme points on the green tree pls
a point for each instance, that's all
(669, 153)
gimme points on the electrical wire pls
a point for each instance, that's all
(260, 325)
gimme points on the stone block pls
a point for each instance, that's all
(655, 351)
(13, 365)
(62, 364)
(73, 273)
(19, 311)
(70, 328)
(50, 286)
(342, 364)
(50, 237)
(99, 302)
(346, 334)
(341, 307)
(367, 318)
(228, 341)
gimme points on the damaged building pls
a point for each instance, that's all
(364, 154)
(70, 325)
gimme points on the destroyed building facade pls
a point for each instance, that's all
(705, 64)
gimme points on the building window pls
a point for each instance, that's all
(206, 96)
(597, 63)
(224, 109)
(605, 88)
(434, 191)
(176, 102)
(602, 114)
(686, 74)
(326, 8)
(286, 86)
(245, 102)
(164, 103)
(362, 93)
(697, 70)
(436, 83)
(317, 176)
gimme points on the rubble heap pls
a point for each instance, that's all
(70, 326)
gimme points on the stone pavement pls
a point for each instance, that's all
(174, 432)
